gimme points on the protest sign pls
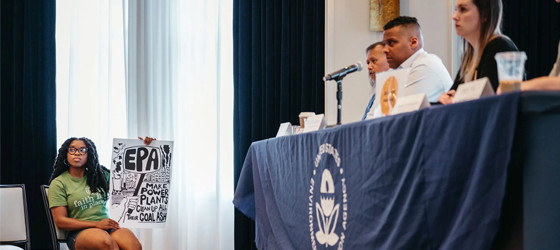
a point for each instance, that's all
(140, 182)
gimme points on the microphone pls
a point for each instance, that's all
(343, 72)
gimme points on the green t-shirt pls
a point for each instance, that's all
(74, 193)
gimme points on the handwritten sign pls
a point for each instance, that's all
(140, 182)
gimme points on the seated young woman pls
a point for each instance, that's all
(78, 195)
(478, 23)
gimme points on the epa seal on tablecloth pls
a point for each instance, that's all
(328, 201)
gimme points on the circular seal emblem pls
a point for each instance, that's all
(328, 200)
(389, 95)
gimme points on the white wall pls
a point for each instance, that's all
(347, 36)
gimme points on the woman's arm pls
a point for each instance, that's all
(541, 83)
(447, 98)
(62, 221)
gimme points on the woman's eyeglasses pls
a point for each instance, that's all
(74, 151)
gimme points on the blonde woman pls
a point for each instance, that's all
(478, 22)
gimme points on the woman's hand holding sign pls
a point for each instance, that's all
(147, 140)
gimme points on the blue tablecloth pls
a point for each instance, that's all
(432, 179)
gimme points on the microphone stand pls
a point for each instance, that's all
(338, 76)
(339, 100)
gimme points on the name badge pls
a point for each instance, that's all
(410, 103)
(473, 90)
(285, 129)
(315, 123)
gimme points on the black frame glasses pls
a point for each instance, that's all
(80, 151)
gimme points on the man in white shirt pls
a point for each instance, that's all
(403, 41)
(404, 48)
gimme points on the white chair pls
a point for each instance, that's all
(58, 235)
(14, 225)
(9, 247)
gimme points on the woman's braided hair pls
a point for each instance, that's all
(96, 173)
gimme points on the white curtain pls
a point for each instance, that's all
(90, 85)
(176, 84)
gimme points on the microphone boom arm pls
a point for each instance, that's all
(338, 76)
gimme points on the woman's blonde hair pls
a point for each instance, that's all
(490, 25)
